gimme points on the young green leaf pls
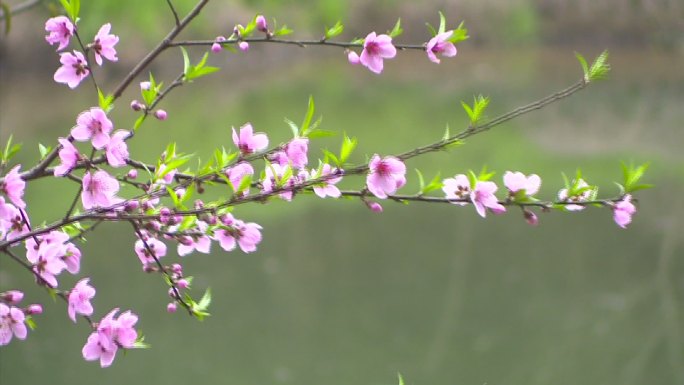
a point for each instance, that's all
(599, 68)
(348, 146)
(311, 108)
(442, 23)
(397, 30)
(335, 30)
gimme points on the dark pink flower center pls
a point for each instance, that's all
(373, 48)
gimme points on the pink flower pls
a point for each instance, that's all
(623, 211)
(531, 218)
(117, 150)
(248, 142)
(74, 69)
(94, 125)
(273, 177)
(457, 187)
(12, 297)
(261, 24)
(375, 49)
(161, 115)
(244, 46)
(72, 258)
(68, 155)
(201, 243)
(246, 235)
(99, 190)
(374, 206)
(327, 188)
(440, 45)
(11, 323)
(79, 299)
(385, 175)
(517, 181)
(156, 249)
(12, 224)
(353, 58)
(238, 172)
(103, 44)
(13, 186)
(483, 198)
(296, 151)
(61, 29)
(47, 262)
(111, 334)
(581, 197)
(217, 47)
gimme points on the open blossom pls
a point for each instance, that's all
(201, 243)
(111, 334)
(79, 299)
(12, 224)
(440, 44)
(155, 248)
(276, 171)
(93, 125)
(517, 181)
(68, 155)
(457, 187)
(103, 44)
(13, 186)
(483, 198)
(238, 172)
(47, 262)
(375, 49)
(99, 190)
(623, 211)
(245, 235)
(385, 175)
(117, 150)
(74, 69)
(11, 324)
(327, 188)
(581, 197)
(60, 31)
(248, 142)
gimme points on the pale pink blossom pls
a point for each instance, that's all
(11, 324)
(327, 187)
(103, 44)
(13, 187)
(73, 70)
(94, 125)
(60, 31)
(100, 347)
(623, 211)
(79, 299)
(201, 243)
(12, 224)
(238, 172)
(248, 142)
(99, 190)
(111, 334)
(440, 44)
(375, 49)
(245, 235)
(116, 149)
(155, 248)
(69, 157)
(385, 176)
(274, 175)
(72, 258)
(517, 181)
(581, 197)
(483, 198)
(47, 262)
(457, 187)
(296, 151)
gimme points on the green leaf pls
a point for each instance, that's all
(205, 301)
(421, 182)
(66, 4)
(447, 134)
(140, 343)
(75, 9)
(397, 30)
(585, 66)
(432, 29)
(335, 30)
(485, 175)
(321, 134)
(105, 102)
(43, 150)
(348, 146)
(293, 127)
(476, 113)
(401, 379)
(311, 108)
(460, 34)
(186, 62)
(472, 178)
(138, 122)
(30, 323)
(442, 23)
(599, 68)
(10, 150)
(435, 184)
(329, 156)
(173, 196)
(282, 31)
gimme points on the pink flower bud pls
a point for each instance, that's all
(132, 174)
(171, 307)
(183, 283)
(34, 309)
(353, 58)
(531, 218)
(236, 30)
(145, 86)
(160, 114)
(177, 268)
(261, 24)
(216, 48)
(244, 46)
(374, 206)
(131, 206)
(136, 105)
(13, 297)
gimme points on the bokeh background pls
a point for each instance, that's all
(337, 294)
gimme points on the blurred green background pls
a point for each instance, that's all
(339, 295)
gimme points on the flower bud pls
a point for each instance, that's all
(132, 174)
(353, 58)
(374, 206)
(131, 206)
(12, 297)
(236, 30)
(171, 307)
(261, 24)
(244, 46)
(531, 218)
(216, 48)
(145, 86)
(160, 114)
(183, 283)
(34, 309)
(177, 268)
(136, 105)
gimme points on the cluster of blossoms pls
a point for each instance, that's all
(111, 334)
(13, 319)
